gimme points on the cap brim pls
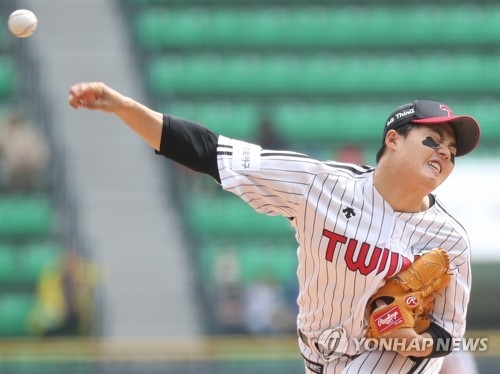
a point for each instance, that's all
(467, 131)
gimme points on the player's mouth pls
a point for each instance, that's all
(434, 165)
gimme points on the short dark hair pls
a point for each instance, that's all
(403, 130)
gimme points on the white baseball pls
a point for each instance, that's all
(22, 23)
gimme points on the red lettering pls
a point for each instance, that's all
(367, 259)
(393, 266)
(383, 262)
(332, 243)
(360, 263)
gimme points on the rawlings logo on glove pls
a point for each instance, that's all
(408, 297)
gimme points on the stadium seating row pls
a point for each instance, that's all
(15, 309)
(26, 216)
(327, 26)
(320, 122)
(252, 259)
(206, 221)
(21, 265)
(325, 74)
(8, 77)
(170, 3)
(27, 225)
(8, 72)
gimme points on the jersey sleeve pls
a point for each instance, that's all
(272, 182)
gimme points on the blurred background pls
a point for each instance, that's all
(115, 260)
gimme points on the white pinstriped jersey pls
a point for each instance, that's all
(349, 237)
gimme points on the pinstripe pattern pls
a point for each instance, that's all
(376, 362)
(349, 240)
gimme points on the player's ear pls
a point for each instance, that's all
(391, 139)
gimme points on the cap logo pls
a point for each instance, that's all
(404, 113)
(400, 115)
(447, 110)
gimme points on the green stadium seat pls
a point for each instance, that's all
(333, 123)
(14, 313)
(232, 119)
(25, 215)
(22, 264)
(34, 258)
(253, 259)
(168, 3)
(324, 74)
(258, 260)
(8, 77)
(297, 121)
(487, 112)
(319, 121)
(317, 26)
(8, 266)
(231, 217)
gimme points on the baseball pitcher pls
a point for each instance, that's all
(383, 266)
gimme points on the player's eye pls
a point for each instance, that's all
(435, 143)
(453, 153)
(431, 142)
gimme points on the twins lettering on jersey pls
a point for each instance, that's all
(369, 259)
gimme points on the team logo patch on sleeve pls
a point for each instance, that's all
(246, 156)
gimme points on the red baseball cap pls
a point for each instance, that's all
(428, 113)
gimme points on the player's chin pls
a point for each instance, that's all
(434, 177)
(431, 182)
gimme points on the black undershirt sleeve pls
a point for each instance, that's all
(190, 144)
(442, 343)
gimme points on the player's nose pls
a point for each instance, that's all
(446, 152)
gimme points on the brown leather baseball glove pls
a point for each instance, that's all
(408, 297)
